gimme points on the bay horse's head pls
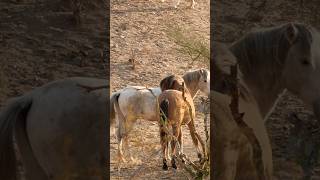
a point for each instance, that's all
(172, 82)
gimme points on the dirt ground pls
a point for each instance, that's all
(138, 30)
(231, 19)
(40, 42)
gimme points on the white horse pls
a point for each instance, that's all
(137, 102)
(60, 131)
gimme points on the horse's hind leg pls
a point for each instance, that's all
(121, 133)
(128, 127)
(176, 133)
(180, 139)
(120, 148)
(194, 137)
(164, 145)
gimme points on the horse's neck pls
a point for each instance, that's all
(261, 68)
(265, 98)
(193, 88)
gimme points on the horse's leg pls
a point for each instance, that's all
(129, 126)
(164, 145)
(120, 136)
(175, 132)
(180, 139)
(195, 139)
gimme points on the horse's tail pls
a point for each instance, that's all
(114, 102)
(164, 109)
(13, 124)
(164, 114)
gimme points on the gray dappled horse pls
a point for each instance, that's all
(278, 58)
(59, 129)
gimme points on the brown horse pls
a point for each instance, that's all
(176, 109)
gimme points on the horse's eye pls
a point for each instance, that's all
(205, 80)
(305, 61)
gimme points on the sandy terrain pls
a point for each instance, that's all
(138, 29)
(231, 19)
(40, 42)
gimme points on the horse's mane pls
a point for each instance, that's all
(221, 62)
(266, 50)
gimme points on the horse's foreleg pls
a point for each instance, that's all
(194, 137)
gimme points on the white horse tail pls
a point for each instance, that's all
(13, 124)
(113, 101)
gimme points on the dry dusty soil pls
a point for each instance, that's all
(40, 42)
(139, 31)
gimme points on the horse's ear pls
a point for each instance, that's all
(171, 82)
(163, 84)
(291, 33)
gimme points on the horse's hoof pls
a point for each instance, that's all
(165, 167)
(199, 156)
(174, 166)
(173, 163)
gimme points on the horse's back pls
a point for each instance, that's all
(177, 105)
(131, 96)
(66, 125)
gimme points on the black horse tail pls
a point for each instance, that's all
(164, 112)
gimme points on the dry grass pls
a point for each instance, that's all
(193, 46)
